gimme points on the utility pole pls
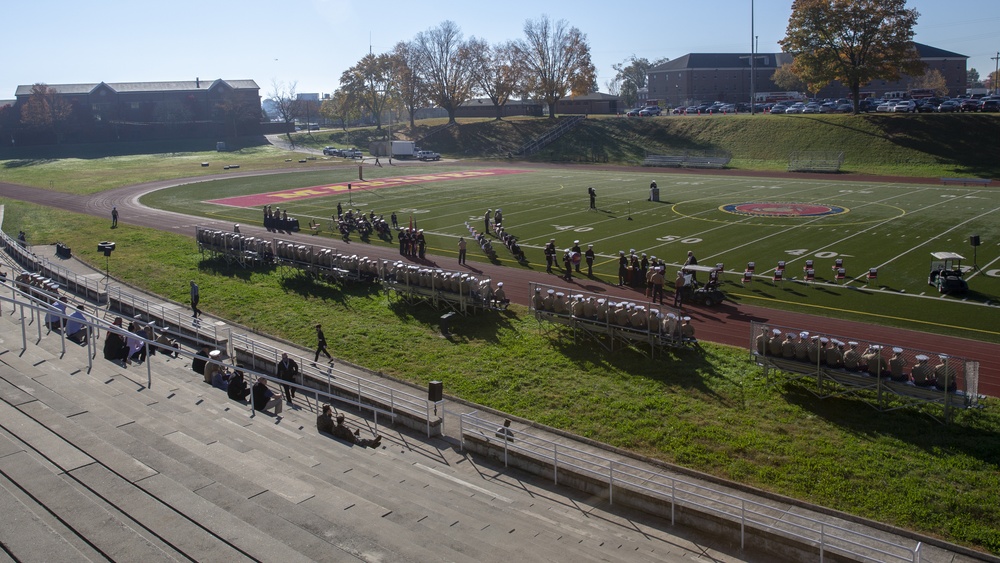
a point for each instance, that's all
(996, 72)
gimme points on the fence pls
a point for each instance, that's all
(651, 489)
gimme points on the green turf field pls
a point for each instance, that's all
(891, 227)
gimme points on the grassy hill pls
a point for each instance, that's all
(927, 145)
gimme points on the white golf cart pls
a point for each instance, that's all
(946, 273)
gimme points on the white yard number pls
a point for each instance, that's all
(573, 228)
(675, 238)
(801, 251)
(415, 211)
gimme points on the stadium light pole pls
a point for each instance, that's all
(753, 62)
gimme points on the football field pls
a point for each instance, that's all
(723, 219)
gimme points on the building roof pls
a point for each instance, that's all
(167, 86)
(928, 52)
(769, 60)
(599, 96)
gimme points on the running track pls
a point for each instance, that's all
(727, 323)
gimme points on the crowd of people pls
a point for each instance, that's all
(875, 360)
(621, 314)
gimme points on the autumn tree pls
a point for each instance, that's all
(557, 61)
(45, 109)
(497, 70)
(410, 88)
(370, 82)
(931, 80)
(851, 41)
(972, 79)
(443, 62)
(786, 79)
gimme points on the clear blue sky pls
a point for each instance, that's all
(312, 42)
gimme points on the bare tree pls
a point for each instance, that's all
(498, 71)
(444, 64)
(410, 86)
(285, 104)
(557, 59)
(371, 83)
(631, 76)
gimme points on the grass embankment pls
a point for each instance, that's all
(709, 411)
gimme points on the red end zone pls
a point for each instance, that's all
(259, 200)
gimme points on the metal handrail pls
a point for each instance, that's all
(170, 315)
(679, 492)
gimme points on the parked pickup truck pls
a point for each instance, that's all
(351, 153)
(427, 155)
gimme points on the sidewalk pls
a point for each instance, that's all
(931, 551)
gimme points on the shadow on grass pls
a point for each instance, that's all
(220, 267)
(966, 435)
(480, 326)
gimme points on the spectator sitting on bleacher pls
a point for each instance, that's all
(852, 358)
(344, 433)
(165, 342)
(922, 373)
(264, 398)
(687, 330)
(199, 360)
(812, 349)
(788, 347)
(872, 360)
(802, 347)
(211, 367)
(944, 375)
(504, 432)
(220, 379)
(601, 310)
(237, 389)
(824, 347)
(896, 365)
(835, 355)
(761, 341)
(115, 348)
(75, 329)
(52, 320)
(500, 300)
(774, 344)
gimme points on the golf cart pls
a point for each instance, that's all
(946, 273)
(707, 294)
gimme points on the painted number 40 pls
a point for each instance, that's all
(801, 251)
(572, 228)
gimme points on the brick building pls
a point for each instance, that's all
(707, 77)
(121, 111)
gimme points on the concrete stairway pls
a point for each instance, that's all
(97, 466)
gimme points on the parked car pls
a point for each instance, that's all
(949, 106)
(885, 106)
(969, 104)
(331, 151)
(649, 111)
(990, 105)
(427, 155)
(904, 106)
(867, 105)
(778, 109)
(351, 153)
(634, 112)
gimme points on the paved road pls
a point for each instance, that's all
(727, 324)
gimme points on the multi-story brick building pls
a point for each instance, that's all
(706, 77)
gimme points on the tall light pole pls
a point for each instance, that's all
(996, 73)
(753, 63)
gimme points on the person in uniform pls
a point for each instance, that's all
(656, 279)
(679, 290)
(944, 374)
(576, 248)
(538, 301)
(568, 265)
(852, 358)
(922, 373)
(691, 261)
(687, 329)
(462, 245)
(550, 255)
(421, 244)
(802, 347)
(500, 297)
(486, 221)
(589, 256)
(872, 360)
(498, 218)
(622, 268)
(788, 347)
(774, 344)
(593, 197)
(548, 303)
(761, 340)
(896, 364)
(812, 349)
(835, 355)
(824, 347)
(602, 310)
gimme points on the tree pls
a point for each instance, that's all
(46, 109)
(932, 80)
(443, 62)
(285, 105)
(786, 79)
(991, 82)
(852, 41)
(370, 82)
(497, 70)
(972, 79)
(410, 86)
(631, 77)
(557, 61)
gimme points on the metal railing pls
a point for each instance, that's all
(341, 385)
(171, 314)
(33, 263)
(748, 514)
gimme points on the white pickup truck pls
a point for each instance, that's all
(427, 155)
